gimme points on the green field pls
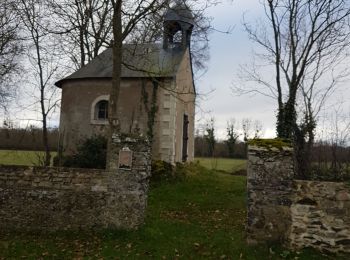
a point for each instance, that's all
(30, 158)
(10, 157)
(223, 164)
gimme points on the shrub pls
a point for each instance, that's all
(90, 154)
(161, 170)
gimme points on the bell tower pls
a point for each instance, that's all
(178, 26)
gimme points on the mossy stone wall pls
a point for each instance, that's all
(269, 185)
(298, 213)
(48, 199)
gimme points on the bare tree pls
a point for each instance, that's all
(210, 136)
(232, 136)
(305, 42)
(258, 129)
(247, 128)
(338, 138)
(85, 27)
(10, 49)
(330, 154)
(150, 29)
(42, 59)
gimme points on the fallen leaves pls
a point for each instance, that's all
(213, 218)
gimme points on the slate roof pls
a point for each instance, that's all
(139, 61)
(179, 12)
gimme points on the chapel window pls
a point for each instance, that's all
(101, 110)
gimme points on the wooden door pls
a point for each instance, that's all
(185, 138)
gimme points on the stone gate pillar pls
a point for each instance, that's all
(129, 170)
(269, 185)
(130, 154)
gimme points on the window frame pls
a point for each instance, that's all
(94, 111)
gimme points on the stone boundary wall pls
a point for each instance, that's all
(269, 185)
(49, 199)
(297, 213)
(320, 216)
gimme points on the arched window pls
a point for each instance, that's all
(101, 110)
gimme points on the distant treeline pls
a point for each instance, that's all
(26, 139)
(322, 152)
(331, 158)
(31, 139)
(328, 152)
(221, 149)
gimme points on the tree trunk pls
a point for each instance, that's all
(46, 144)
(114, 124)
(286, 117)
(304, 138)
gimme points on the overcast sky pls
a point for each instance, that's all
(227, 52)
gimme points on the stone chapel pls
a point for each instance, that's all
(154, 76)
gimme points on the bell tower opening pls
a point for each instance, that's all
(178, 26)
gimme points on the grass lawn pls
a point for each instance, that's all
(200, 216)
(223, 164)
(30, 158)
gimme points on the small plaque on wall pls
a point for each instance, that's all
(125, 159)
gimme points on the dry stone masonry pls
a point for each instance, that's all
(38, 198)
(269, 184)
(321, 216)
(298, 213)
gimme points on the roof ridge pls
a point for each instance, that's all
(140, 63)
